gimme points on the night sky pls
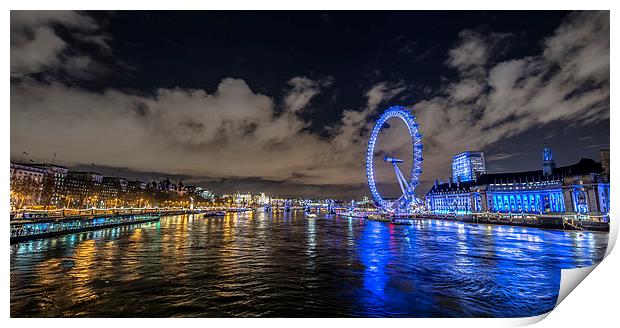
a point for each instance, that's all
(282, 102)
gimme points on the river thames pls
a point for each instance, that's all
(286, 265)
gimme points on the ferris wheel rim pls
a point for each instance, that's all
(404, 115)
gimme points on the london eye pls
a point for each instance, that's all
(384, 154)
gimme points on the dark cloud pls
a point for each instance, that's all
(233, 132)
(493, 101)
(237, 135)
(37, 47)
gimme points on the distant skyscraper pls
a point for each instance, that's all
(548, 162)
(468, 166)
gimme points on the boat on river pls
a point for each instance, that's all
(239, 210)
(23, 230)
(396, 221)
(377, 217)
(214, 214)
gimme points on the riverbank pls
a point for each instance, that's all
(519, 220)
(531, 221)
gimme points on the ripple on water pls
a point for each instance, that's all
(285, 265)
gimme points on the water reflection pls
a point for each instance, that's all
(285, 264)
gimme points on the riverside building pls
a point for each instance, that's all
(49, 178)
(579, 188)
(82, 189)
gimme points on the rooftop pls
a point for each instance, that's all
(469, 152)
(584, 166)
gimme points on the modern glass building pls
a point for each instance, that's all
(468, 166)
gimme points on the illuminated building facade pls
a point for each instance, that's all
(50, 179)
(206, 194)
(548, 162)
(135, 193)
(468, 166)
(242, 199)
(579, 188)
(52, 186)
(262, 199)
(446, 198)
(113, 191)
(57, 175)
(82, 189)
(26, 184)
(524, 192)
(23, 171)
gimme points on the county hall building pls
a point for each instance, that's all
(581, 188)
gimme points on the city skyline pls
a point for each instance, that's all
(157, 177)
(307, 164)
(234, 126)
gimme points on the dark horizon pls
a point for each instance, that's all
(269, 187)
(283, 101)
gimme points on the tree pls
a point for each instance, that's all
(25, 191)
(48, 189)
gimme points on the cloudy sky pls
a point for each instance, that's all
(283, 102)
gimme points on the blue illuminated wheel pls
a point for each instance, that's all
(408, 195)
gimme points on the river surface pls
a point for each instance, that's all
(287, 265)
